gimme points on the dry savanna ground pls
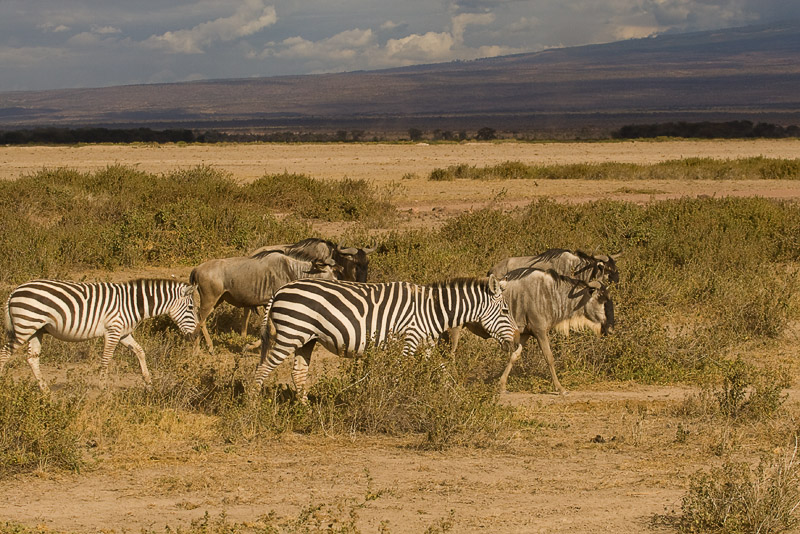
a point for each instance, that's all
(614, 457)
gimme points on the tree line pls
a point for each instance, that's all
(707, 130)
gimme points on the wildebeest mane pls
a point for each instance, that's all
(550, 255)
(522, 272)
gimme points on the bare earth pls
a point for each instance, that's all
(556, 477)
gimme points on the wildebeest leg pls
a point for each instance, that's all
(454, 335)
(302, 359)
(514, 357)
(207, 305)
(544, 344)
(131, 343)
(34, 348)
(247, 311)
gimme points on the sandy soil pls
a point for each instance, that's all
(556, 477)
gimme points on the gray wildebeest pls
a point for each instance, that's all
(542, 300)
(352, 262)
(250, 281)
(577, 264)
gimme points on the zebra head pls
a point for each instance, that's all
(496, 318)
(182, 309)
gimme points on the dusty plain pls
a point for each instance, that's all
(554, 477)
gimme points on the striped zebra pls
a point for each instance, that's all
(345, 317)
(74, 311)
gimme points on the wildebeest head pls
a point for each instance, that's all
(599, 308)
(601, 267)
(496, 319)
(326, 269)
(353, 262)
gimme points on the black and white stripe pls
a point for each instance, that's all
(346, 317)
(74, 311)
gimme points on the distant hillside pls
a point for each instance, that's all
(748, 73)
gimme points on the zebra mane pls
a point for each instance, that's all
(460, 281)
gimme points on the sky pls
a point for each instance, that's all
(56, 44)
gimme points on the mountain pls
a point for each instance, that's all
(748, 73)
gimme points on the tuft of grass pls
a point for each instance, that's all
(736, 499)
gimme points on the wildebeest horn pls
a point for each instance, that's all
(616, 255)
(348, 250)
(603, 257)
(329, 261)
(369, 250)
(594, 284)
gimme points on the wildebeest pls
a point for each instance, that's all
(250, 281)
(577, 264)
(542, 300)
(352, 262)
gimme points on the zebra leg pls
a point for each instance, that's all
(514, 357)
(34, 348)
(268, 362)
(110, 341)
(302, 358)
(131, 343)
(5, 354)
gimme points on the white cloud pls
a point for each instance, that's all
(53, 28)
(252, 17)
(105, 30)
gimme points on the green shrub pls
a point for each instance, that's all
(38, 432)
(381, 393)
(755, 168)
(736, 499)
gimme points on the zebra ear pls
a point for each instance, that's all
(188, 291)
(496, 286)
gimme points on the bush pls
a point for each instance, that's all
(736, 499)
(38, 432)
(381, 393)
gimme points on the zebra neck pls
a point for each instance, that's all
(149, 299)
(452, 305)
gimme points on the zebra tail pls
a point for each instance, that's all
(265, 329)
(11, 334)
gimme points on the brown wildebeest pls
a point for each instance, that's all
(250, 281)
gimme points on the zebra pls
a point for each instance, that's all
(77, 311)
(345, 317)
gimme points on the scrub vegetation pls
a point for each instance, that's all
(705, 282)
